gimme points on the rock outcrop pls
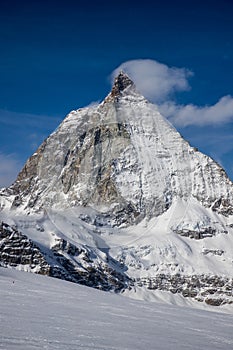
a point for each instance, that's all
(64, 260)
(211, 289)
(16, 250)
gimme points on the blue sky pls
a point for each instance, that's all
(59, 55)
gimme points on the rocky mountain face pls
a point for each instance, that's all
(64, 260)
(17, 250)
(130, 202)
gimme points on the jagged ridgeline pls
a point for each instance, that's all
(136, 202)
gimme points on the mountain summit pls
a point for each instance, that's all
(117, 182)
(121, 83)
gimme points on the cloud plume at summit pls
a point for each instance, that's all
(159, 83)
(155, 80)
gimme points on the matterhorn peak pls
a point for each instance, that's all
(121, 83)
(116, 194)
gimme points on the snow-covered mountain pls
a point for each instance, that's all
(115, 198)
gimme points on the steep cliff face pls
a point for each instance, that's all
(16, 250)
(119, 179)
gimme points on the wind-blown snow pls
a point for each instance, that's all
(43, 313)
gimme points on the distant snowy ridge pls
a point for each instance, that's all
(118, 182)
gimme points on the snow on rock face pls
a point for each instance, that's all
(120, 184)
(64, 260)
(16, 250)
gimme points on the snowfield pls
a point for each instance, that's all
(39, 312)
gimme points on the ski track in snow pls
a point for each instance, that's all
(38, 312)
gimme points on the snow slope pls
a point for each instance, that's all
(38, 312)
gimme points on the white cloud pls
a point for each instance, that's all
(217, 114)
(9, 168)
(156, 81)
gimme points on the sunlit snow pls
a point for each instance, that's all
(43, 313)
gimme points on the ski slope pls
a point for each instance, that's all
(39, 312)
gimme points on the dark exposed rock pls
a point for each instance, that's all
(81, 265)
(122, 81)
(223, 206)
(16, 249)
(200, 234)
(26, 179)
(215, 302)
(214, 290)
(102, 187)
(66, 261)
(218, 252)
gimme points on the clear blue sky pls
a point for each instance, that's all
(59, 55)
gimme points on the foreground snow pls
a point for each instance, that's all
(43, 313)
